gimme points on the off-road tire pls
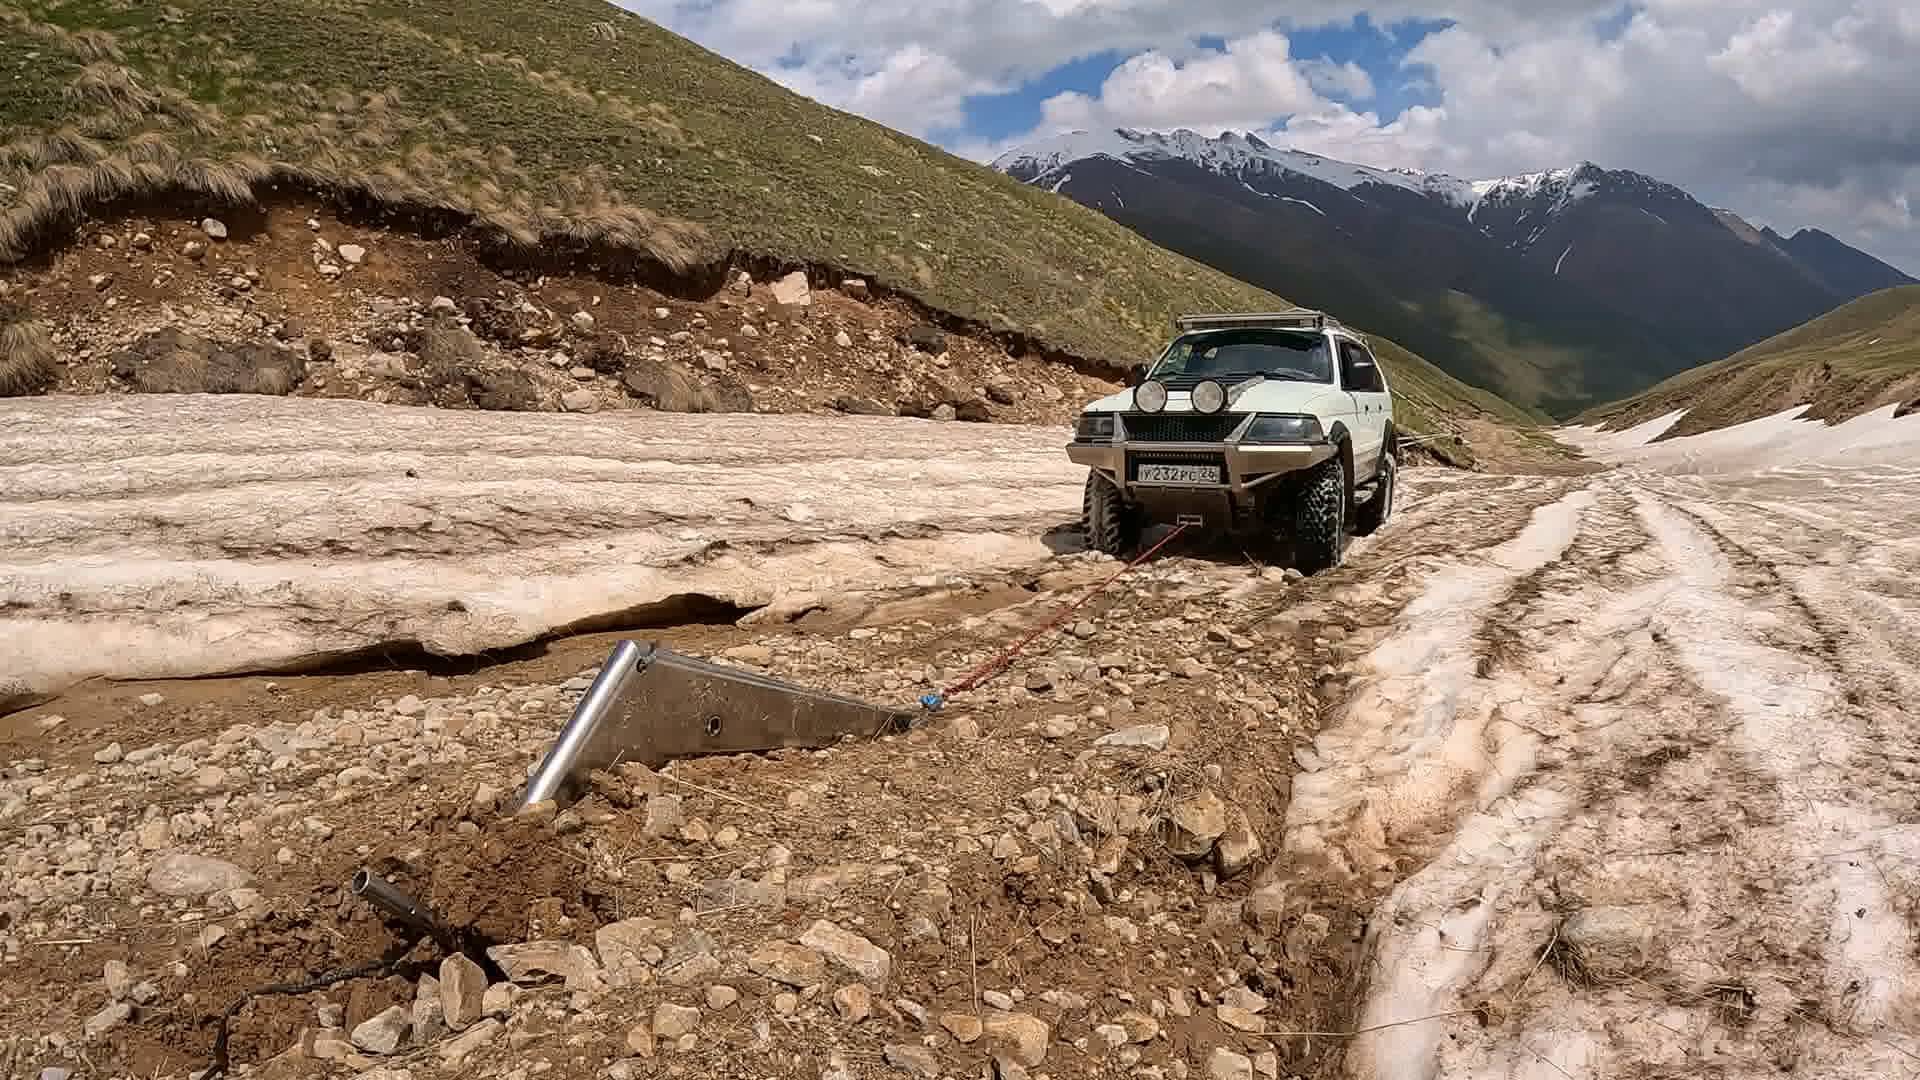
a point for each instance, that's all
(1320, 519)
(1370, 515)
(1111, 526)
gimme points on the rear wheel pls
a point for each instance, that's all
(1370, 515)
(1320, 519)
(1112, 527)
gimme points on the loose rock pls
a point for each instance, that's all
(181, 874)
(854, 1003)
(108, 1018)
(457, 1048)
(965, 1027)
(912, 1060)
(1197, 822)
(382, 1034)
(671, 1021)
(1227, 1065)
(850, 950)
(463, 987)
(1142, 736)
(784, 962)
(1023, 1037)
(793, 290)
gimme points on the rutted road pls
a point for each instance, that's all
(1625, 766)
(1635, 772)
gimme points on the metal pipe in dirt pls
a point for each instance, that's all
(386, 896)
(552, 775)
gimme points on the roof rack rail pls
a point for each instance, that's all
(1293, 318)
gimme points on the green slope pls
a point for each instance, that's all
(1851, 360)
(567, 125)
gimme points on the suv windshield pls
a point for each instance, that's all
(1230, 355)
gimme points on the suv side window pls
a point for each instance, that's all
(1359, 374)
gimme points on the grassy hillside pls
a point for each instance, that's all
(1849, 361)
(556, 126)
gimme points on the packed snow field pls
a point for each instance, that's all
(1596, 776)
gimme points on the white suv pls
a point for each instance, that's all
(1275, 423)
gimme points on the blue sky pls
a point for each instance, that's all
(1791, 114)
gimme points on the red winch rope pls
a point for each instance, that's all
(999, 663)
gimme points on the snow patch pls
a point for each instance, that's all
(1060, 183)
(1305, 203)
(1778, 442)
(1561, 261)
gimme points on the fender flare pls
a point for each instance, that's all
(1342, 440)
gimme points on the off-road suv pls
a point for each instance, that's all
(1275, 423)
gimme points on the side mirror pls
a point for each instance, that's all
(1137, 374)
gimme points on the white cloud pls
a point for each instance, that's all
(1245, 84)
(1801, 113)
(912, 89)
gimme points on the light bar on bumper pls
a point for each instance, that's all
(1094, 428)
(1284, 430)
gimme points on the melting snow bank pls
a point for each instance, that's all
(1777, 441)
(161, 536)
(1637, 784)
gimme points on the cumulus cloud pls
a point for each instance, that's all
(1796, 114)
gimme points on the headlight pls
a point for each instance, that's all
(1283, 429)
(1094, 427)
(1150, 396)
(1209, 397)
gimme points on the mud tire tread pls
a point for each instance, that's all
(1320, 519)
(1111, 527)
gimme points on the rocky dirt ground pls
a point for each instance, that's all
(1063, 871)
(1580, 776)
(295, 299)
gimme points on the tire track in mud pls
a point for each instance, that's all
(1589, 851)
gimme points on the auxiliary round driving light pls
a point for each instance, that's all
(1150, 396)
(1209, 397)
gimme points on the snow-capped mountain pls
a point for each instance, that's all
(1553, 288)
(1232, 151)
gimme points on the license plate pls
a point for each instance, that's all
(1179, 474)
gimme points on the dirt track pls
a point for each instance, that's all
(1575, 776)
(1640, 764)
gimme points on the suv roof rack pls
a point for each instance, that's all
(1292, 319)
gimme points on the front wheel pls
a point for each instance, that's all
(1320, 519)
(1370, 515)
(1112, 527)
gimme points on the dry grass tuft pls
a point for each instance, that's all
(1569, 961)
(66, 146)
(113, 88)
(26, 354)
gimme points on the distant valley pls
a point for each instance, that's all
(1556, 289)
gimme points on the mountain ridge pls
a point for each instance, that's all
(1861, 356)
(1556, 289)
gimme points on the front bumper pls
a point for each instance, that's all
(1244, 468)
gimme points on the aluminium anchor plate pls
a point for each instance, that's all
(651, 705)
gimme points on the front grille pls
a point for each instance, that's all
(1181, 427)
(1137, 458)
